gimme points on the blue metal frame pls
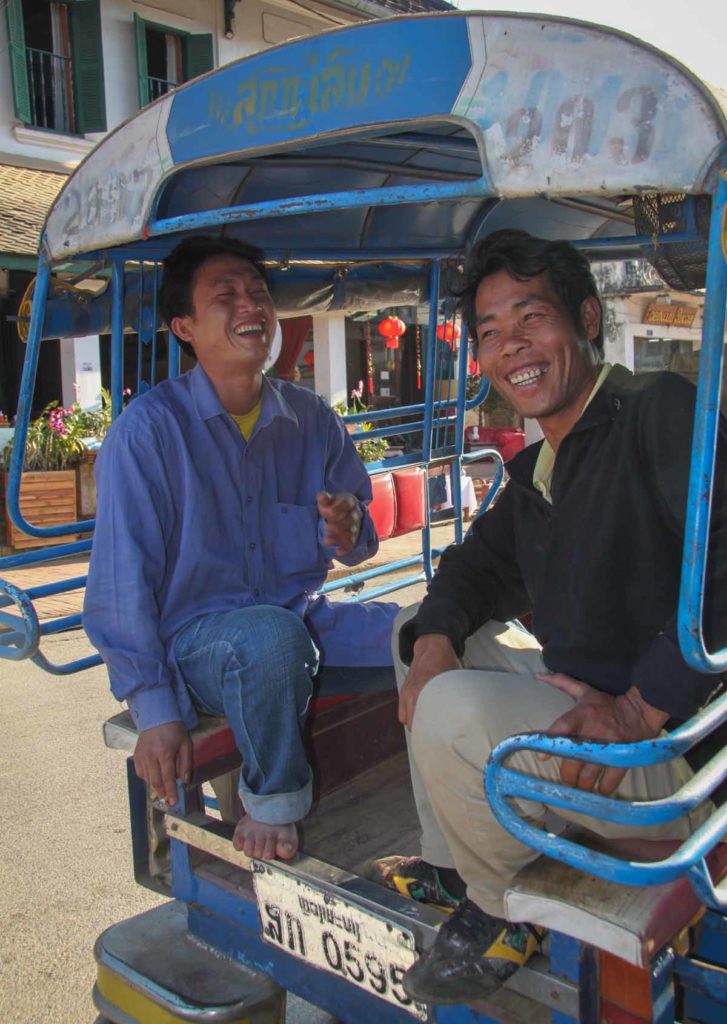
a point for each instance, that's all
(503, 784)
(701, 482)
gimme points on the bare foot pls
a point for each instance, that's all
(265, 842)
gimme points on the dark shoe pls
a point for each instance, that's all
(412, 877)
(473, 954)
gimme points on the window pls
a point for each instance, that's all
(166, 57)
(57, 64)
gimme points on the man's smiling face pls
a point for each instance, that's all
(233, 318)
(531, 351)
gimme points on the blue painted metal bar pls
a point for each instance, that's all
(565, 963)
(390, 588)
(696, 539)
(67, 668)
(703, 977)
(140, 332)
(434, 282)
(175, 355)
(662, 987)
(59, 587)
(48, 554)
(370, 574)
(117, 337)
(154, 323)
(345, 200)
(18, 644)
(61, 624)
(502, 785)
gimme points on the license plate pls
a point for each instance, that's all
(337, 936)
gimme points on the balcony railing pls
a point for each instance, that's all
(159, 87)
(51, 90)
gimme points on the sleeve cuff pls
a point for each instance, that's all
(152, 707)
(666, 682)
(435, 619)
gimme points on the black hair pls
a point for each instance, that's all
(523, 256)
(183, 262)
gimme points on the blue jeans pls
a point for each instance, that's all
(256, 666)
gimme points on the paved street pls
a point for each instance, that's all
(64, 848)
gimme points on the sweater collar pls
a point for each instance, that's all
(602, 408)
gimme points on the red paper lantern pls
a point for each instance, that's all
(448, 332)
(392, 329)
(308, 358)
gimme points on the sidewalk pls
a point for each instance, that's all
(71, 602)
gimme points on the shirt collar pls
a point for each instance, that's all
(207, 402)
(543, 472)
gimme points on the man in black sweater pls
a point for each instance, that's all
(587, 536)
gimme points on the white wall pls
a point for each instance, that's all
(256, 27)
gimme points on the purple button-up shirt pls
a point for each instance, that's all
(192, 519)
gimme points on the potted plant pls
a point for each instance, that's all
(371, 449)
(55, 442)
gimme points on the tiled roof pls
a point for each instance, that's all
(25, 198)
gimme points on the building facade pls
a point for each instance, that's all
(72, 71)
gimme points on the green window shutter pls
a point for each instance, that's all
(89, 94)
(18, 65)
(198, 55)
(142, 69)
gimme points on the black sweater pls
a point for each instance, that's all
(599, 568)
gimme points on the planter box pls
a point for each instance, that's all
(86, 486)
(46, 499)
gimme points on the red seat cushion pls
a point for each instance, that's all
(410, 489)
(383, 507)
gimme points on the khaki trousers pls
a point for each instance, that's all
(460, 717)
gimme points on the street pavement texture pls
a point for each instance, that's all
(65, 852)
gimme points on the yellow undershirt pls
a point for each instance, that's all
(247, 421)
(543, 472)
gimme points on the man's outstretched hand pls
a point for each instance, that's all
(164, 754)
(342, 517)
(602, 718)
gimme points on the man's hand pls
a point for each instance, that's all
(164, 754)
(433, 654)
(342, 517)
(602, 718)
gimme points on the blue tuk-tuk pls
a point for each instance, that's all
(364, 162)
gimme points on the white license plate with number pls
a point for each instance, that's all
(335, 935)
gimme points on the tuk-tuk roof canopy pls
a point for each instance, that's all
(404, 136)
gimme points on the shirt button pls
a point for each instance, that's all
(248, 499)
(256, 592)
(252, 545)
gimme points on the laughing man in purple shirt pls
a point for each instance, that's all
(222, 498)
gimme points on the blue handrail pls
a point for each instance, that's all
(701, 480)
(504, 785)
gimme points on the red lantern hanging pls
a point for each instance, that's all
(308, 358)
(392, 329)
(448, 332)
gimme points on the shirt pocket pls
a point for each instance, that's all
(294, 541)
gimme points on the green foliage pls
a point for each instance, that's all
(57, 438)
(374, 449)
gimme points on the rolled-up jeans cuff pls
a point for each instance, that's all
(278, 808)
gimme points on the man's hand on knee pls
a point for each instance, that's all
(601, 718)
(433, 654)
(164, 754)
